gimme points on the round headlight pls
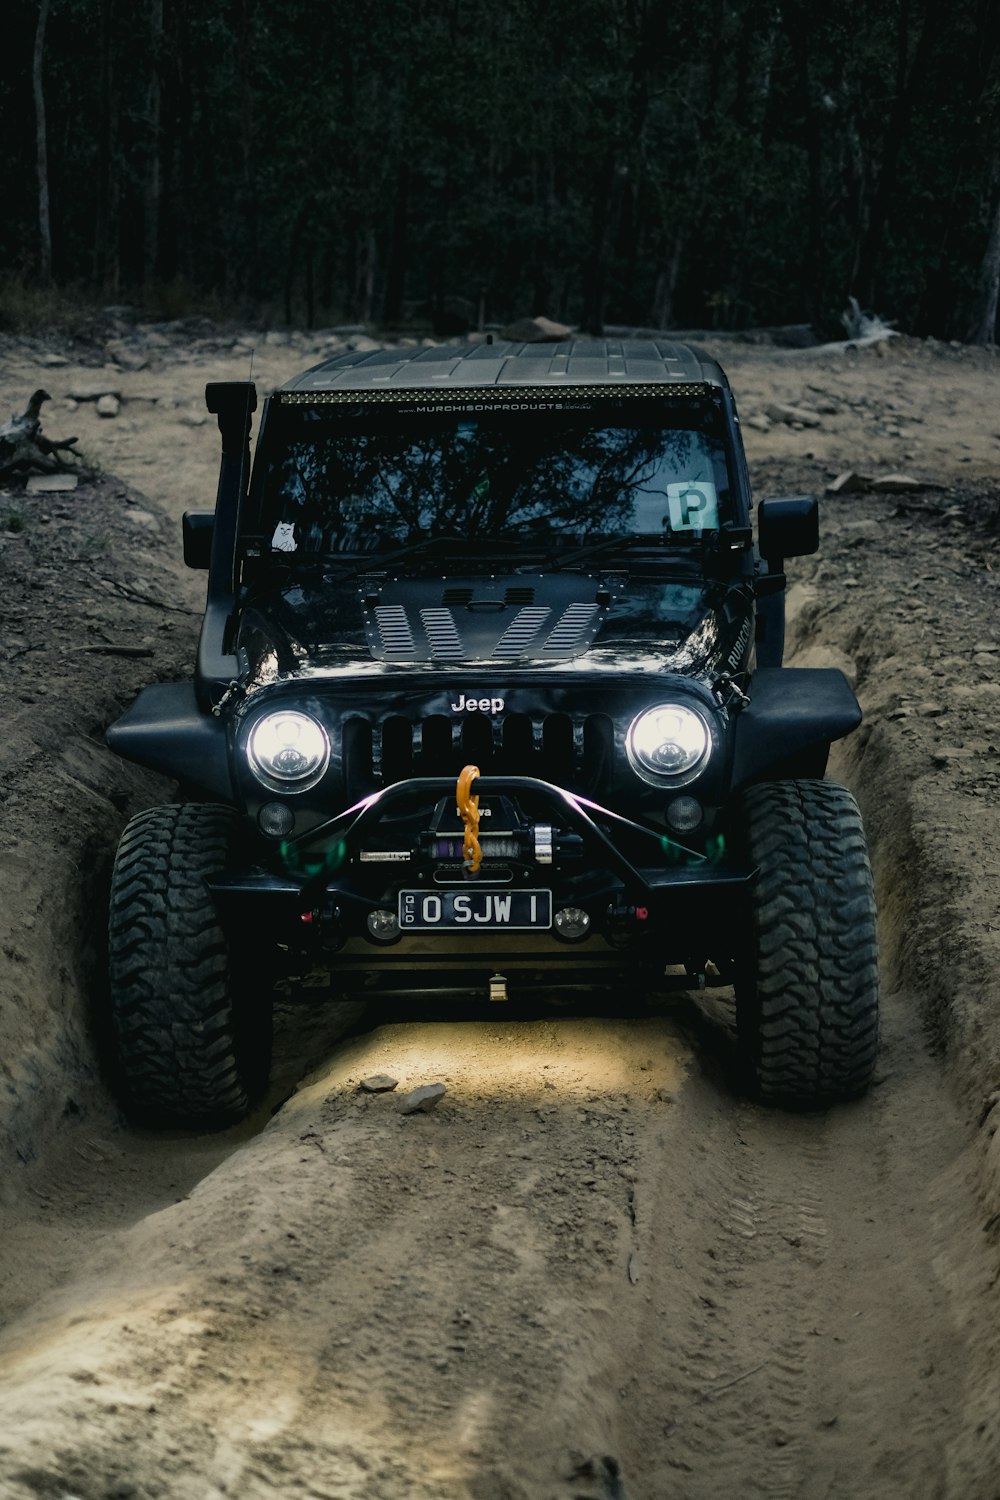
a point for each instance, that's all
(288, 751)
(669, 745)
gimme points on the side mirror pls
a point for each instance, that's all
(787, 528)
(198, 528)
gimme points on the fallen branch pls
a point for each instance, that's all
(112, 650)
(24, 449)
(715, 1390)
(139, 598)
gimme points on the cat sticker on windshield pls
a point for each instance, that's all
(693, 505)
(284, 537)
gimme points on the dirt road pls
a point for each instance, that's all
(595, 1272)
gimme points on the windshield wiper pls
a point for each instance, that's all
(647, 542)
(495, 547)
(369, 560)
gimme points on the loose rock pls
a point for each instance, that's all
(423, 1099)
(948, 754)
(778, 412)
(108, 406)
(92, 392)
(378, 1083)
(49, 484)
(127, 356)
(901, 484)
(536, 331)
(848, 483)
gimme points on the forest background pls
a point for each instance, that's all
(728, 164)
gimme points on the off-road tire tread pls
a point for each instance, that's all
(190, 1051)
(808, 1004)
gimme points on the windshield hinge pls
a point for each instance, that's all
(234, 690)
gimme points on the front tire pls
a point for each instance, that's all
(190, 1015)
(807, 989)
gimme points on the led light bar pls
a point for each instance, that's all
(508, 395)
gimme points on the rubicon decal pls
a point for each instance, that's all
(469, 705)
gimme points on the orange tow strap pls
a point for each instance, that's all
(468, 811)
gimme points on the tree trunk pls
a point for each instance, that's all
(607, 200)
(395, 271)
(294, 244)
(666, 285)
(983, 327)
(907, 85)
(152, 187)
(309, 285)
(798, 29)
(42, 154)
(364, 283)
(107, 252)
(250, 205)
(185, 149)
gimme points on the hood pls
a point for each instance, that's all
(533, 621)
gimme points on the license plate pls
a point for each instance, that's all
(477, 911)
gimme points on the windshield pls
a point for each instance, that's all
(368, 479)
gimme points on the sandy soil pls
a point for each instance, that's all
(594, 1272)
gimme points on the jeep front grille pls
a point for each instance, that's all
(573, 750)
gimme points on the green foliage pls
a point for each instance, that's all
(26, 307)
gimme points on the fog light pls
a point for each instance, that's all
(383, 926)
(571, 924)
(276, 820)
(684, 813)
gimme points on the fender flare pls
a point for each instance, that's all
(166, 730)
(793, 713)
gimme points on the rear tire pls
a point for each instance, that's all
(807, 991)
(191, 1014)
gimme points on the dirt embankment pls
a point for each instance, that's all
(593, 1272)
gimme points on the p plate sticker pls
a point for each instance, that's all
(693, 505)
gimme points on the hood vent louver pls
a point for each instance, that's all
(395, 632)
(485, 618)
(573, 629)
(520, 633)
(442, 634)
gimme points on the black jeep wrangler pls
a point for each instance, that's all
(489, 695)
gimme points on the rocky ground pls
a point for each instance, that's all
(593, 1272)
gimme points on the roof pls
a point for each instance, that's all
(447, 368)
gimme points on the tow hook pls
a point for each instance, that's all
(498, 987)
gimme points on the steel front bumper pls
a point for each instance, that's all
(650, 899)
